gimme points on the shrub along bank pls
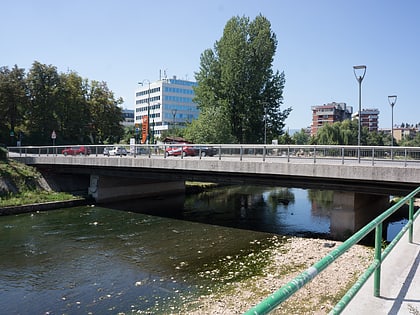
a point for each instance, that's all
(21, 184)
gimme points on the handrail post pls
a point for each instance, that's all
(288, 154)
(314, 154)
(264, 152)
(342, 155)
(241, 152)
(220, 152)
(378, 257)
(373, 156)
(405, 157)
(410, 220)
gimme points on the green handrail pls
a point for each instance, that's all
(282, 294)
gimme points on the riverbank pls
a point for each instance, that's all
(288, 259)
(44, 206)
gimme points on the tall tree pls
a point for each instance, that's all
(236, 80)
(105, 113)
(13, 103)
(43, 83)
(72, 110)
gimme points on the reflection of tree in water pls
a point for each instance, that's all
(280, 196)
(321, 200)
(228, 200)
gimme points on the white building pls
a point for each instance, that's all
(167, 103)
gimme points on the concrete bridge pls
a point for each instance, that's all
(362, 177)
(373, 170)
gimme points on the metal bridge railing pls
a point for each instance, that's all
(265, 153)
(286, 291)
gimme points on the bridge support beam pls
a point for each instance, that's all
(107, 189)
(351, 211)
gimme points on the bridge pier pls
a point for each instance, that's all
(107, 189)
(351, 211)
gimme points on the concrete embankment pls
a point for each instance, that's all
(43, 206)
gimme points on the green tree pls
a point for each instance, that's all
(301, 137)
(43, 83)
(13, 103)
(375, 138)
(286, 139)
(340, 133)
(237, 85)
(106, 115)
(415, 142)
(72, 109)
(212, 127)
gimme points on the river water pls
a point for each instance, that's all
(103, 260)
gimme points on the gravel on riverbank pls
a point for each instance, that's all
(289, 259)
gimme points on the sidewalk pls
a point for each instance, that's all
(400, 282)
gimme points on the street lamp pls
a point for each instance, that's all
(265, 104)
(148, 109)
(265, 123)
(359, 73)
(174, 115)
(392, 99)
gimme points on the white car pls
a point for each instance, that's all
(116, 151)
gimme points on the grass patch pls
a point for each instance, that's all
(33, 197)
(21, 184)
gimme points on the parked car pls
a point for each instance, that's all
(106, 150)
(76, 151)
(205, 151)
(176, 150)
(138, 150)
(117, 151)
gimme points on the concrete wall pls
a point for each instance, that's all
(352, 211)
(107, 189)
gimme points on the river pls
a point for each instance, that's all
(148, 256)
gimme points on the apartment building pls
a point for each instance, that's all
(329, 114)
(368, 118)
(165, 104)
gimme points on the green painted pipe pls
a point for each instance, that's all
(282, 294)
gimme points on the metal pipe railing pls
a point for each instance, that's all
(303, 153)
(286, 291)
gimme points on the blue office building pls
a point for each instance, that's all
(168, 103)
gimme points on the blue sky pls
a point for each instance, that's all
(124, 42)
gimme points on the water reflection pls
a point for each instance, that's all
(285, 211)
(104, 261)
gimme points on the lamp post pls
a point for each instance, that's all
(148, 109)
(265, 124)
(392, 99)
(359, 73)
(173, 123)
(265, 104)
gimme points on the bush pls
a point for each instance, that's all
(3, 153)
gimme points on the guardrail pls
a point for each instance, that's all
(309, 153)
(286, 291)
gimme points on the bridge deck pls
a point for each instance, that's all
(400, 282)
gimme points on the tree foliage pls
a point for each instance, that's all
(346, 133)
(13, 101)
(238, 92)
(33, 105)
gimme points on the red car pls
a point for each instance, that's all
(180, 149)
(76, 151)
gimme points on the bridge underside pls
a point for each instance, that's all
(107, 189)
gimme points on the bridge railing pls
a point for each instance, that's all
(286, 291)
(269, 153)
